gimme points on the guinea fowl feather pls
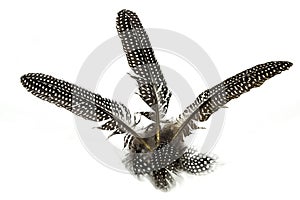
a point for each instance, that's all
(140, 56)
(160, 156)
(215, 98)
(81, 102)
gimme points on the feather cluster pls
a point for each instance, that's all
(158, 151)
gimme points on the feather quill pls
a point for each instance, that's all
(164, 154)
(215, 98)
(140, 56)
(82, 103)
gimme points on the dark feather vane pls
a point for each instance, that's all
(81, 102)
(215, 98)
(140, 56)
(158, 151)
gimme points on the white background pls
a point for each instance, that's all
(40, 153)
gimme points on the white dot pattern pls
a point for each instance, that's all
(163, 179)
(162, 157)
(167, 159)
(196, 163)
(80, 101)
(215, 98)
(140, 55)
(161, 166)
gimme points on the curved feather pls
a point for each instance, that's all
(81, 102)
(215, 98)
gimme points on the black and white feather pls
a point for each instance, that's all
(158, 151)
(81, 102)
(216, 97)
(152, 86)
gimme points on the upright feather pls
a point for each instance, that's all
(140, 55)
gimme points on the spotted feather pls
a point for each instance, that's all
(140, 56)
(163, 155)
(215, 98)
(81, 102)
